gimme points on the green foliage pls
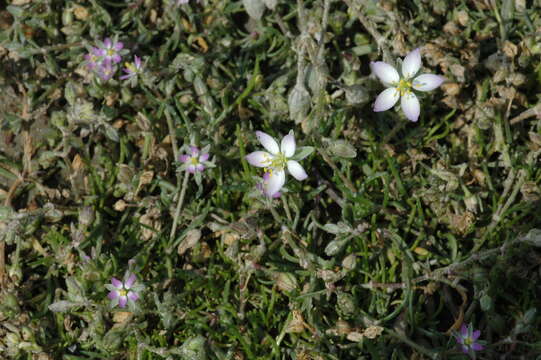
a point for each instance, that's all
(401, 232)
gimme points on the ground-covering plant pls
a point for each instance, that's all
(134, 226)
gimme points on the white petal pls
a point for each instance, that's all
(259, 158)
(385, 72)
(296, 170)
(410, 106)
(275, 182)
(268, 142)
(427, 82)
(288, 145)
(386, 99)
(411, 64)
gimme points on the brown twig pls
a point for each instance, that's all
(534, 111)
(380, 40)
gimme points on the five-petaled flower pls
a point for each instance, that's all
(106, 71)
(122, 293)
(275, 161)
(132, 68)
(93, 58)
(467, 339)
(401, 87)
(110, 52)
(195, 161)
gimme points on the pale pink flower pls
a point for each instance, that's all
(122, 293)
(275, 160)
(401, 87)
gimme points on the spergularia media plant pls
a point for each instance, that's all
(103, 59)
(276, 159)
(194, 161)
(401, 87)
(125, 292)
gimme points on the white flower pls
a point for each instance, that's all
(276, 160)
(401, 87)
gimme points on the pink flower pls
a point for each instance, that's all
(275, 160)
(110, 52)
(467, 339)
(132, 69)
(195, 161)
(122, 293)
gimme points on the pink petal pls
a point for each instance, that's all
(477, 347)
(133, 296)
(411, 64)
(116, 283)
(464, 349)
(296, 170)
(203, 157)
(427, 82)
(268, 142)
(119, 46)
(276, 180)
(410, 106)
(107, 42)
(113, 295)
(463, 330)
(194, 150)
(476, 335)
(184, 158)
(116, 58)
(200, 167)
(288, 145)
(385, 72)
(130, 281)
(122, 301)
(191, 168)
(386, 99)
(259, 158)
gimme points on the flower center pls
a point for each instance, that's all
(122, 292)
(110, 52)
(194, 160)
(468, 341)
(278, 162)
(404, 86)
(131, 67)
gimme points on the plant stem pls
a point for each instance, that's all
(179, 205)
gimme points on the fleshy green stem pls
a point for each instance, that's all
(179, 205)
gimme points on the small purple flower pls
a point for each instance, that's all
(467, 339)
(111, 51)
(106, 71)
(122, 293)
(132, 69)
(93, 58)
(195, 161)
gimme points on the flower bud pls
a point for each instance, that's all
(346, 304)
(254, 8)
(127, 95)
(67, 17)
(285, 281)
(86, 216)
(349, 262)
(299, 103)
